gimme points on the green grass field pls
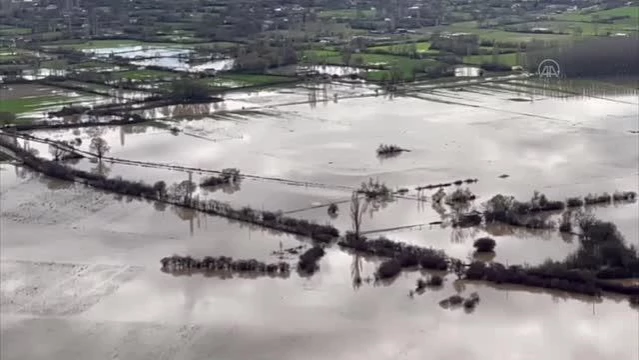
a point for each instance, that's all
(12, 31)
(143, 75)
(107, 44)
(587, 28)
(506, 59)
(346, 14)
(631, 11)
(255, 79)
(24, 105)
(497, 34)
(422, 47)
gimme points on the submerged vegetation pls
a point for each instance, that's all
(455, 301)
(389, 150)
(375, 190)
(405, 255)
(484, 244)
(602, 254)
(308, 260)
(228, 176)
(179, 194)
(186, 265)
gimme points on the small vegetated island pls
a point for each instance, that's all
(385, 150)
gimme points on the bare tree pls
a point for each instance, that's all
(358, 208)
(99, 146)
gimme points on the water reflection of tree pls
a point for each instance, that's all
(312, 97)
(101, 168)
(190, 215)
(356, 271)
(458, 234)
(501, 229)
(159, 206)
(375, 205)
(55, 184)
(24, 172)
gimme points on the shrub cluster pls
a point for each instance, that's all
(460, 196)
(374, 190)
(551, 278)
(388, 269)
(308, 260)
(226, 177)
(384, 149)
(440, 185)
(186, 264)
(574, 202)
(404, 254)
(455, 301)
(485, 244)
(593, 199)
(472, 218)
(507, 210)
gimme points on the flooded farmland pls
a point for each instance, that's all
(80, 267)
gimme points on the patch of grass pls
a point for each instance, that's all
(632, 12)
(143, 75)
(347, 14)
(107, 44)
(585, 28)
(421, 47)
(377, 75)
(498, 34)
(256, 79)
(505, 59)
(24, 105)
(12, 31)
(216, 44)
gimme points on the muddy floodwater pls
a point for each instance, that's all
(80, 268)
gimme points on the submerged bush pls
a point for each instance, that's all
(566, 222)
(308, 260)
(374, 189)
(461, 196)
(226, 177)
(186, 265)
(485, 244)
(406, 255)
(604, 198)
(624, 196)
(384, 149)
(574, 202)
(389, 269)
(435, 280)
(467, 220)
